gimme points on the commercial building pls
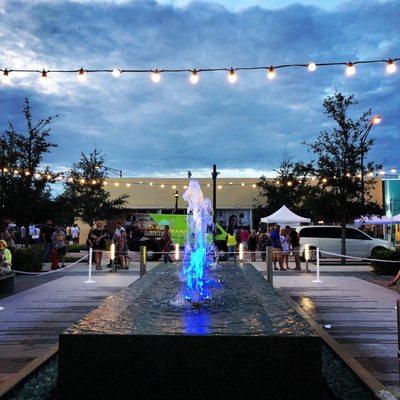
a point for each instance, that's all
(235, 196)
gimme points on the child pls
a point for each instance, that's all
(252, 244)
(122, 249)
(5, 257)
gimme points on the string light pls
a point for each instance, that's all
(312, 66)
(271, 72)
(116, 183)
(116, 72)
(70, 179)
(324, 180)
(219, 187)
(208, 185)
(278, 183)
(151, 183)
(254, 185)
(43, 76)
(350, 69)
(105, 183)
(5, 169)
(162, 186)
(391, 66)
(94, 181)
(242, 184)
(194, 77)
(155, 76)
(393, 170)
(289, 183)
(128, 185)
(27, 173)
(82, 181)
(37, 176)
(232, 78)
(81, 75)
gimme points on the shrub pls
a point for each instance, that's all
(28, 258)
(382, 268)
(76, 248)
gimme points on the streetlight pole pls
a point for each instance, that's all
(176, 201)
(375, 120)
(214, 175)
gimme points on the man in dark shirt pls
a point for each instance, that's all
(47, 233)
(277, 247)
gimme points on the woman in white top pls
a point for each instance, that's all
(285, 248)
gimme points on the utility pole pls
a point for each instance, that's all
(214, 175)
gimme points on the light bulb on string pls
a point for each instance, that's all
(81, 75)
(390, 66)
(156, 76)
(232, 78)
(312, 66)
(43, 76)
(271, 72)
(70, 179)
(116, 72)
(194, 77)
(393, 170)
(350, 69)
(5, 78)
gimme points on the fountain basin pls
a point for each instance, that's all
(148, 342)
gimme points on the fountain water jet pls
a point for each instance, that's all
(199, 246)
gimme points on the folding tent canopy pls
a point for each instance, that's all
(376, 220)
(285, 217)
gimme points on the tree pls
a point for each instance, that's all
(289, 188)
(338, 165)
(25, 193)
(85, 195)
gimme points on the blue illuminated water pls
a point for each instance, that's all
(198, 248)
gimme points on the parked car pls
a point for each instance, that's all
(329, 238)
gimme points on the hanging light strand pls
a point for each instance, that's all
(155, 73)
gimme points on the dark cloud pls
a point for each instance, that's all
(167, 128)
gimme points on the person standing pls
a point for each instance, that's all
(33, 234)
(252, 244)
(167, 242)
(60, 246)
(276, 247)
(118, 230)
(98, 239)
(285, 248)
(122, 249)
(294, 239)
(262, 244)
(23, 235)
(5, 257)
(47, 239)
(75, 233)
(6, 234)
(244, 237)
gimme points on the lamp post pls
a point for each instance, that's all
(214, 175)
(375, 120)
(176, 201)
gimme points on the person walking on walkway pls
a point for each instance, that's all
(75, 232)
(98, 239)
(231, 243)
(252, 244)
(122, 249)
(167, 242)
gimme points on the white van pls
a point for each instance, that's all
(329, 238)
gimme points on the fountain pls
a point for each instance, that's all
(199, 247)
(184, 333)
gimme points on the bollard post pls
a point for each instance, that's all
(307, 256)
(317, 280)
(241, 252)
(270, 270)
(177, 252)
(89, 280)
(112, 257)
(398, 328)
(142, 260)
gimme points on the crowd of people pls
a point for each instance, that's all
(283, 242)
(53, 238)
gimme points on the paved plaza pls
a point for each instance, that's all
(359, 314)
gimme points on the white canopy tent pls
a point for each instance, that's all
(285, 217)
(377, 220)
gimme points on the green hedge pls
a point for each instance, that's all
(28, 259)
(76, 248)
(382, 268)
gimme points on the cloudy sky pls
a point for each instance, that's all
(150, 129)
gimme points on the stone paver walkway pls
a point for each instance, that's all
(360, 315)
(33, 318)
